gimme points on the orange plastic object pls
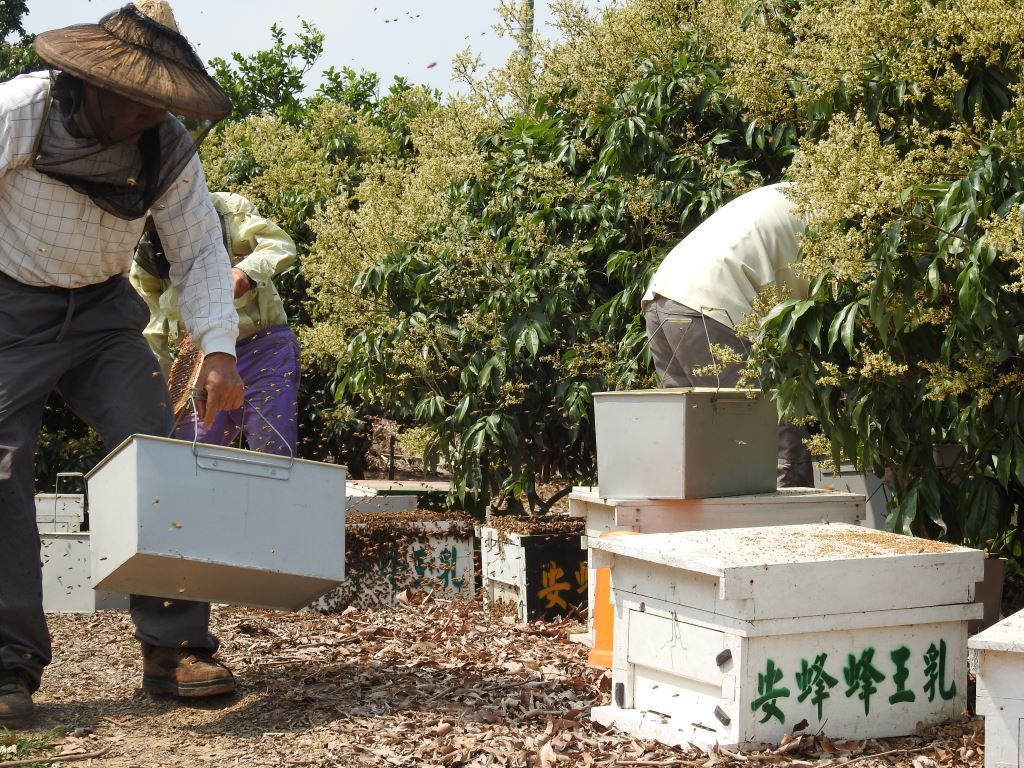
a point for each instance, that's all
(604, 612)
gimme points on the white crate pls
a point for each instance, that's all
(542, 575)
(999, 659)
(202, 522)
(60, 512)
(784, 506)
(735, 636)
(438, 558)
(685, 443)
(67, 582)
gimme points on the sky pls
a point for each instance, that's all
(413, 38)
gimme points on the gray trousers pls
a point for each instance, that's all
(86, 344)
(679, 342)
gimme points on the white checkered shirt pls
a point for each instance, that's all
(51, 235)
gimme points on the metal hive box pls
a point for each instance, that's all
(174, 519)
(689, 443)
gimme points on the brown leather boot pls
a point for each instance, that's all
(184, 672)
(15, 700)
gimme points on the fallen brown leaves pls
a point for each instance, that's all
(423, 683)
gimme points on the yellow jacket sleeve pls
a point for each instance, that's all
(269, 249)
(261, 249)
(158, 330)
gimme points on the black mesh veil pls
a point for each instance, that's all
(149, 253)
(125, 178)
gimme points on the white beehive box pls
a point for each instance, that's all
(783, 506)
(685, 443)
(391, 495)
(541, 575)
(201, 522)
(60, 512)
(67, 581)
(1000, 693)
(437, 556)
(735, 636)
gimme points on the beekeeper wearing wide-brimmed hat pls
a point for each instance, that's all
(87, 149)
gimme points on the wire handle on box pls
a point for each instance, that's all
(193, 396)
(666, 318)
(246, 402)
(285, 443)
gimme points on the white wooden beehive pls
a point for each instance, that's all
(67, 581)
(542, 575)
(1000, 690)
(64, 557)
(783, 506)
(685, 443)
(735, 636)
(199, 522)
(60, 512)
(439, 559)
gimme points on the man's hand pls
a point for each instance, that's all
(224, 388)
(243, 283)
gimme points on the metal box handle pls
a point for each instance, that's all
(217, 459)
(250, 463)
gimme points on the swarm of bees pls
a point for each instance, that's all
(532, 526)
(377, 553)
(372, 537)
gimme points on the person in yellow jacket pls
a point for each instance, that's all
(267, 349)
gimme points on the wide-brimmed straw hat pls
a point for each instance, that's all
(138, 52)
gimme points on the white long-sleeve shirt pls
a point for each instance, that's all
(52, 235)
(745, 246)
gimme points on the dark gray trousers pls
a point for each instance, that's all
(86, 344)
(679, 340)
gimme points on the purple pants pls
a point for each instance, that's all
(268, 362)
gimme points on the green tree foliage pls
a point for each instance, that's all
(291, 154)
(271, 81)
(16, 54)
(908, 351)
(503, 266)
(504, 262)
(474, 266)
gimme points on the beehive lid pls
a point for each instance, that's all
(803, 570)
(720, 392)
(780, 496)
(227, 450)
(1007, 636)
(402, 487)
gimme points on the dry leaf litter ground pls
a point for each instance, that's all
(424, 683)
